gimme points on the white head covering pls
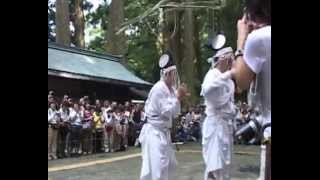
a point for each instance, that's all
(166, 64)
(214, 60)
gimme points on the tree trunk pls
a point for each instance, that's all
(62, 22)
(189, 58)
(171, 34)
(116, 43)
(199, 70)
(79, 24)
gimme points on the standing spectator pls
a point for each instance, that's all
(109, 127)
(86, 130)
(53, 119)
(98, 103)
(137, 117)
(50, 100)
(86, 99)
(127, 117)
(63, 129)
(136, 113)
(120, 129)
(76, 117)
(98, 129)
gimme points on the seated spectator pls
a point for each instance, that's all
(181, 131)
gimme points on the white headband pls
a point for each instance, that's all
(165, 70)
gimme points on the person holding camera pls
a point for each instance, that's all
(253, 67)
(217, 135)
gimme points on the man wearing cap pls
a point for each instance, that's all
(162, 106)
(218, 92)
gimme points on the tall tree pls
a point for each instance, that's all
(189, 57)
(62, 22)
(116, 42)
(172, 34)
(51, 21)
(79, 23)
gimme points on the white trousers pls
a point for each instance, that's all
(158, 156)
(217, 147)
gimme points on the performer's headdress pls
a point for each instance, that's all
(166, 63)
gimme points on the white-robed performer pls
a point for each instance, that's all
(218, 92)
(162, 106)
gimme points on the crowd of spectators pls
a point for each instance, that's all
(81, 127)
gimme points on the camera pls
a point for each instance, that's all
(252, 131)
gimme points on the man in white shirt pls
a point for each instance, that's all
(253, 62)
(162, 106)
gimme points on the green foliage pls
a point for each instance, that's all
(228, 17)
(142, 53)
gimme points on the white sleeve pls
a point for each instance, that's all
(254, 53)
(168, 107)
(213, 82)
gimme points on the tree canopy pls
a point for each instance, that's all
(185, 28)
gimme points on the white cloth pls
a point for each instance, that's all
(158, 157)
(162, 106)
(52, 116)
(217, 138)
(257, 55)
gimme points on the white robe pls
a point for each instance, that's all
(158, 157)
(217, 134)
